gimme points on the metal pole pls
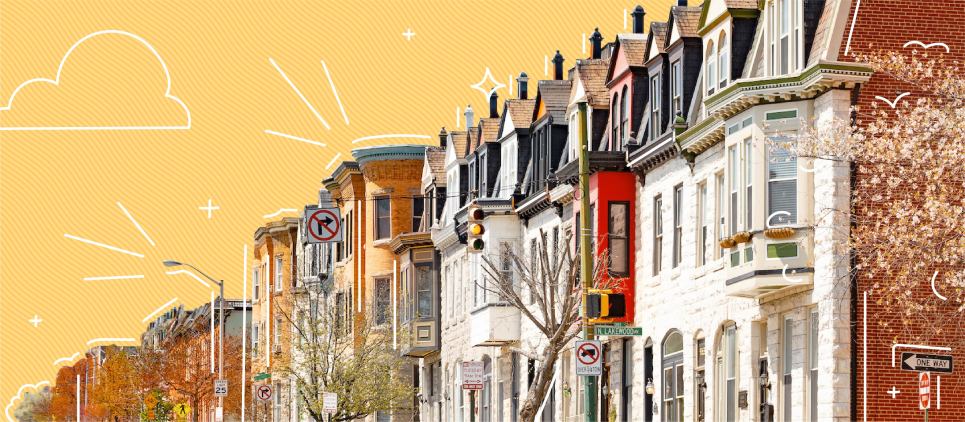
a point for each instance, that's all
(586, 258)
(221, 342)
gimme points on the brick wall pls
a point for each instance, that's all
(888, 25)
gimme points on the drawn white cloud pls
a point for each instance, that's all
(19, 396)
(186, 124)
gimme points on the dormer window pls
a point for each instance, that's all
(722, 60)
(655, 106)
(483, 176)
(677, 85)
(784, 33)
(615, 122)
(711, 76)
(624, 118)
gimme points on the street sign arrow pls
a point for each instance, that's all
(911, 361)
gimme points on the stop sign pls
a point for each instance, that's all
(924, 390)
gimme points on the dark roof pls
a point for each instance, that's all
(555, 96)
(436, 160)
(658, 31)
(488, 130)
(521, 111)
(592, 74)
(472, 140)
(687, 20)
(459, 141)
(634, 47)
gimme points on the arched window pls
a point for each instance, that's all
(625, 116)
(711, 75)
(726, 374)
(722, 61)
(615, 124)
(673, 377)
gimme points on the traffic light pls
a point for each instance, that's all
(476, 229)
(605, 305)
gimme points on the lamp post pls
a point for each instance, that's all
(220, 283)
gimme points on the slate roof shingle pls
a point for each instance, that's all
(555, 94)
(634, 47)
(742, 4)
(687, 20)
(592, 74)
(459, 142)
(436, 160)
(658, 30)
(488, 130)
(520, 111)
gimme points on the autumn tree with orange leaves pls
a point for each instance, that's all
(187, 370)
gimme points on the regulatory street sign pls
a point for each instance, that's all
(924, 390)
(323, 225)
(588, 358)
(911, 361)
(329, 402)
(472, 375)
(617, 331)
(263, 393)
(220, 388)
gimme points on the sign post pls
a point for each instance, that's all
(589, 360)
(924, 392)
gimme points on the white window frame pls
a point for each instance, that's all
(655, 106)
(787, 368)
(676, 88)
(702, 230)
(678, 221)
(255, 284)
(657, 234)
(710, 75)
(725, 355)
(722, 63)
(813, 373)
(279, 272)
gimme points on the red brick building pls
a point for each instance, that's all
(882, 390)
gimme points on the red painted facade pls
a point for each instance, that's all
(615, 187)
(888, 25)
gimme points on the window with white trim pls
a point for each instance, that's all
(813, 364)
(727, 365)
(781, 181)
(655, 127)
(624, 118)
(720, 206)
(677, 89)
(722, 63)
(279, 273)
(787, 366)
(710, 76)
(678, 221)
(383, 218)
(702, 227)
(255, 284)
(657, 233)
(615, 122)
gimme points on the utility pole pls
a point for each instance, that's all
(586, 256)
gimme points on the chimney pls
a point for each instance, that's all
(442, 137)
(469, 116)
(523, 89)
(596, 41)
(493, 99)
(638, 14)
(558, 66)
(682, 3)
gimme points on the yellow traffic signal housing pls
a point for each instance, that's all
(603, 306)
(476, 229)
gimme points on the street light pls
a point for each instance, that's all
(220, 283)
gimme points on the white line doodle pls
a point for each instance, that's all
(299, 93)
(279, 212)
(136, 224)
(894, 103)
(927, 46)
(102, 245)
(935, 290)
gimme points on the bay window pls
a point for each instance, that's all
(748, 195)
(279, 273)
(701, 224)
(618, 238)
(781, 181)
(719, 212)
(785, 32)
(382, 218)
(423, 285)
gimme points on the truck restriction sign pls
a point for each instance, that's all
(924, 390)
(588, 358)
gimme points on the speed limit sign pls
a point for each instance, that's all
(220, 388)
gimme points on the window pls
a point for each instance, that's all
(624, 118)
(657, 233)
(483, 175)
(255, 284)
(678, 199)
(733, 162)
(748, 196)
(619, 227)
(615, 122)
(254, 340)
(701, 224)
(711, 74)
(781, 182)
(787, 367)
(383, 293)
(720, 206)
(382, 218)
(813, 365)
(785, 29)
(423, 284)
(722, 60)
(626, 399)
(418, 209)
(677, 86)
(279, 273)
(506, 264)
(700, 384)
(277, 403)
(727, 361)
(655, 126)
(673, 377)
(277, 339)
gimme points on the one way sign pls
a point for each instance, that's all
(911, 361)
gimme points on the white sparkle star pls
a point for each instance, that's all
(488, 76)
(209, 208)
(408, 34)
(35, 321)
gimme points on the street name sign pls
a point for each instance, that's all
(617, 331)
(260, 376)
(472, 375)
(220, 388)
(329, 402)
(323, 225)
(589, 360)
(911, 361)
(924, 391)
(263, 393)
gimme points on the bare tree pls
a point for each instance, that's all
(357, 363)
(552, 279)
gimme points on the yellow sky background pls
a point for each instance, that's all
(54, 183)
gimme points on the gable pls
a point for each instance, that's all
(674, 33)
(620, 62)
(712, 11)
(577, 93)
(653, 49)
(450, 150)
